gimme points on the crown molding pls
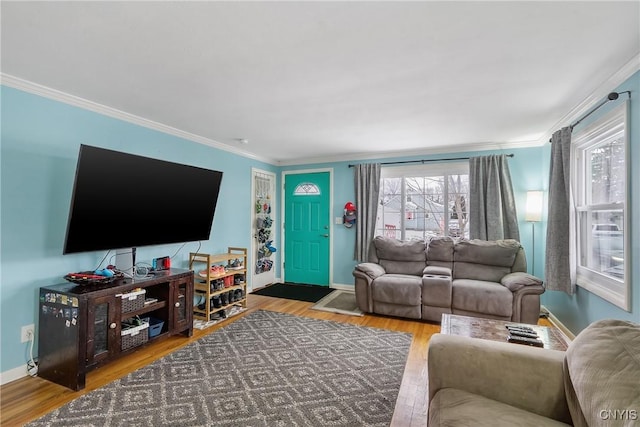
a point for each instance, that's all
(56, 95)
(619, 77)
(448, 149)
(614, 81)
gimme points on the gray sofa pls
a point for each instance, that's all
(596, 382)
(423, 280)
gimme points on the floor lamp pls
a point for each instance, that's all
(533, 214)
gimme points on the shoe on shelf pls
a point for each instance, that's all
(236, 264)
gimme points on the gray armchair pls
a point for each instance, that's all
(596, 382)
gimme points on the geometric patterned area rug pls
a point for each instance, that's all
(343, 302)
(264, 369)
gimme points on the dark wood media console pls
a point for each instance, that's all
(82, 327)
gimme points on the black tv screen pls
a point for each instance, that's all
(123, 200)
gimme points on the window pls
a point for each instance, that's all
(306, 189)
(600, 172)
(417, 202)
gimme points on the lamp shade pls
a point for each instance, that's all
(533, 210)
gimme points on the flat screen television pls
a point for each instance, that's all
(122, 200)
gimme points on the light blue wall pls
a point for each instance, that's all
(579, 310)
(40, 143)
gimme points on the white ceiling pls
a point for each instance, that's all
(323, 80)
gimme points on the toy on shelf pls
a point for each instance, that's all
(106, 275)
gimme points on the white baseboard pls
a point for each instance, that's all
(557, 323)
(13, 374)
(342, 287)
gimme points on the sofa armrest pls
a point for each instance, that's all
(436, 271)
(370, 269)
(364, 274)
(518, 280)
(526, 377)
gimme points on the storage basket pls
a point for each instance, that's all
(133, 300)
(155, 326)
(134, 336)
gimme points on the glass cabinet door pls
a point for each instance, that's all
(102, 329)
(183, 305)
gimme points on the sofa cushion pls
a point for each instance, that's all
(602, 373)
(501, 253)
(453, 407)
(397, 289)
(402, 257)
(479, 296)
(487, 273)
(413, 268)
(493, 258)
(440, 252)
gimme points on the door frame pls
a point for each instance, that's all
(329, 219)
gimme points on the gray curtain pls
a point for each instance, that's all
(367, 183)
(558, 259)
(492, 205)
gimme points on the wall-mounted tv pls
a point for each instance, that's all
(122, 200)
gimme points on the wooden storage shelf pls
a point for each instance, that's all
(203, 284)
(146, 309)
(81, 325)
(215, 310)
(219, 258)
(201, 287)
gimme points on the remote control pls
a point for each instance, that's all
(515, 326)
(518, 328)
(521, 328)
(518, 333)
(526, 341)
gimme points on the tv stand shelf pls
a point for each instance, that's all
(82, 327)
(146, 309)
(219, 299)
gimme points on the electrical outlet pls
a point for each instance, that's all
(27, 333)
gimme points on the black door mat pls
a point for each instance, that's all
(295, 291)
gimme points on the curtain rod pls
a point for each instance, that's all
(611, 97)
(429, 160)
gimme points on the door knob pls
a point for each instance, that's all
(325, 235)
(112, 326)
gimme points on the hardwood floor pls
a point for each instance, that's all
(28, 398)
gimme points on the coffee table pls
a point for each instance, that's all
(495, 330)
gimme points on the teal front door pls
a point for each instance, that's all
(307, 228)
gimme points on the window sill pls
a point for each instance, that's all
(614, 291)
